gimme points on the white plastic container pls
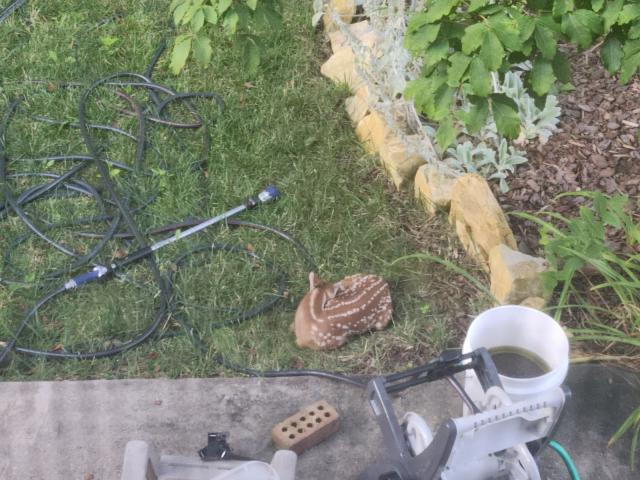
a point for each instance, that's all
(524, 328)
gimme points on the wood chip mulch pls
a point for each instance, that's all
(596, 148)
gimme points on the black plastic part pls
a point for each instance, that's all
(218, 449)
(401, 464)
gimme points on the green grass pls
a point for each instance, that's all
(286, 126)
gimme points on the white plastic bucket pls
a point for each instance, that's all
(524, 328)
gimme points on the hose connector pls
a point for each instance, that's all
(267, 195)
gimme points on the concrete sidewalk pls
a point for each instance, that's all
(78, 430)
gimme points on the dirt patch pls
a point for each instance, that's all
(597, 148)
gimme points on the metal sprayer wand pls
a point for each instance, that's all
(267, 195)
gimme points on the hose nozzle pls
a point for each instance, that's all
(267, 195)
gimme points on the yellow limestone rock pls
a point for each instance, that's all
(372, 131)
(345, 8)
(361, 30)
(358, 105)
(515, 276)
(341, 69)
(477, 218)
(357, 108)
(433, 187)
(534, 302)
(398, 162)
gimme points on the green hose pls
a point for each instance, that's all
(573, 471)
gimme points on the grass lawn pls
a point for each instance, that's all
(286, 126)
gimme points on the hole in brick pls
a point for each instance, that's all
(320, 407)
(294, 424)
(284, 429)
(318, 420)
(292, 436)
(302, 419)
(300, 430)
(312, 414)
(309, 425)
(327, 414)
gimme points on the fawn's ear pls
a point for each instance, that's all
(314, 280)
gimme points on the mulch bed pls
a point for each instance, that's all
(596, 148)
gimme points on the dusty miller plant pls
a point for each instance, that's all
(493, 164)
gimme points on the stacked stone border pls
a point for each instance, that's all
(392, 130)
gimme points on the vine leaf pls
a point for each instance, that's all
(492, 52)
(610, 13)
(480, 78)
(446, 133)
(459, 63)
(180, 52)
(476, 117)
(542, 77)
(546, 41)
(472, 38)
(611, 54)
(581, 26)
(439, 9)
(505, 114)
(202, 49)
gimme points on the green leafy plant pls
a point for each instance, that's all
(578, 244)
(601, 282)
(462, 43)
(241, 20)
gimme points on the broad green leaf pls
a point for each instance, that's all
(179, 12)
(545, 41)
(175, 3)
(611, 53)
(551, 23)
(190, 13)
(629, 12)
(537, 5)
(562, 67)
(439, 9)
(421, 38)
(223, 6)
(443, 98)
(446, 133)
(505, 114)
(560, 7)
(416, 21)
(210, 14)
(631, 60)
(230, 23)
(476, 117)
(527, 26)
(581, 26)
(420, 92)
(202, 49)
(436, 52)
(473, 36)
(597, 5)
(457, 68)
(506, 30)
(197, 21)
(180, 52)
(610, 13)
(476, 4)
(634, 31)
(267, 17)
(252, 56)
(492, 52)
(541, 77)
(479, 78)
(252, 4)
